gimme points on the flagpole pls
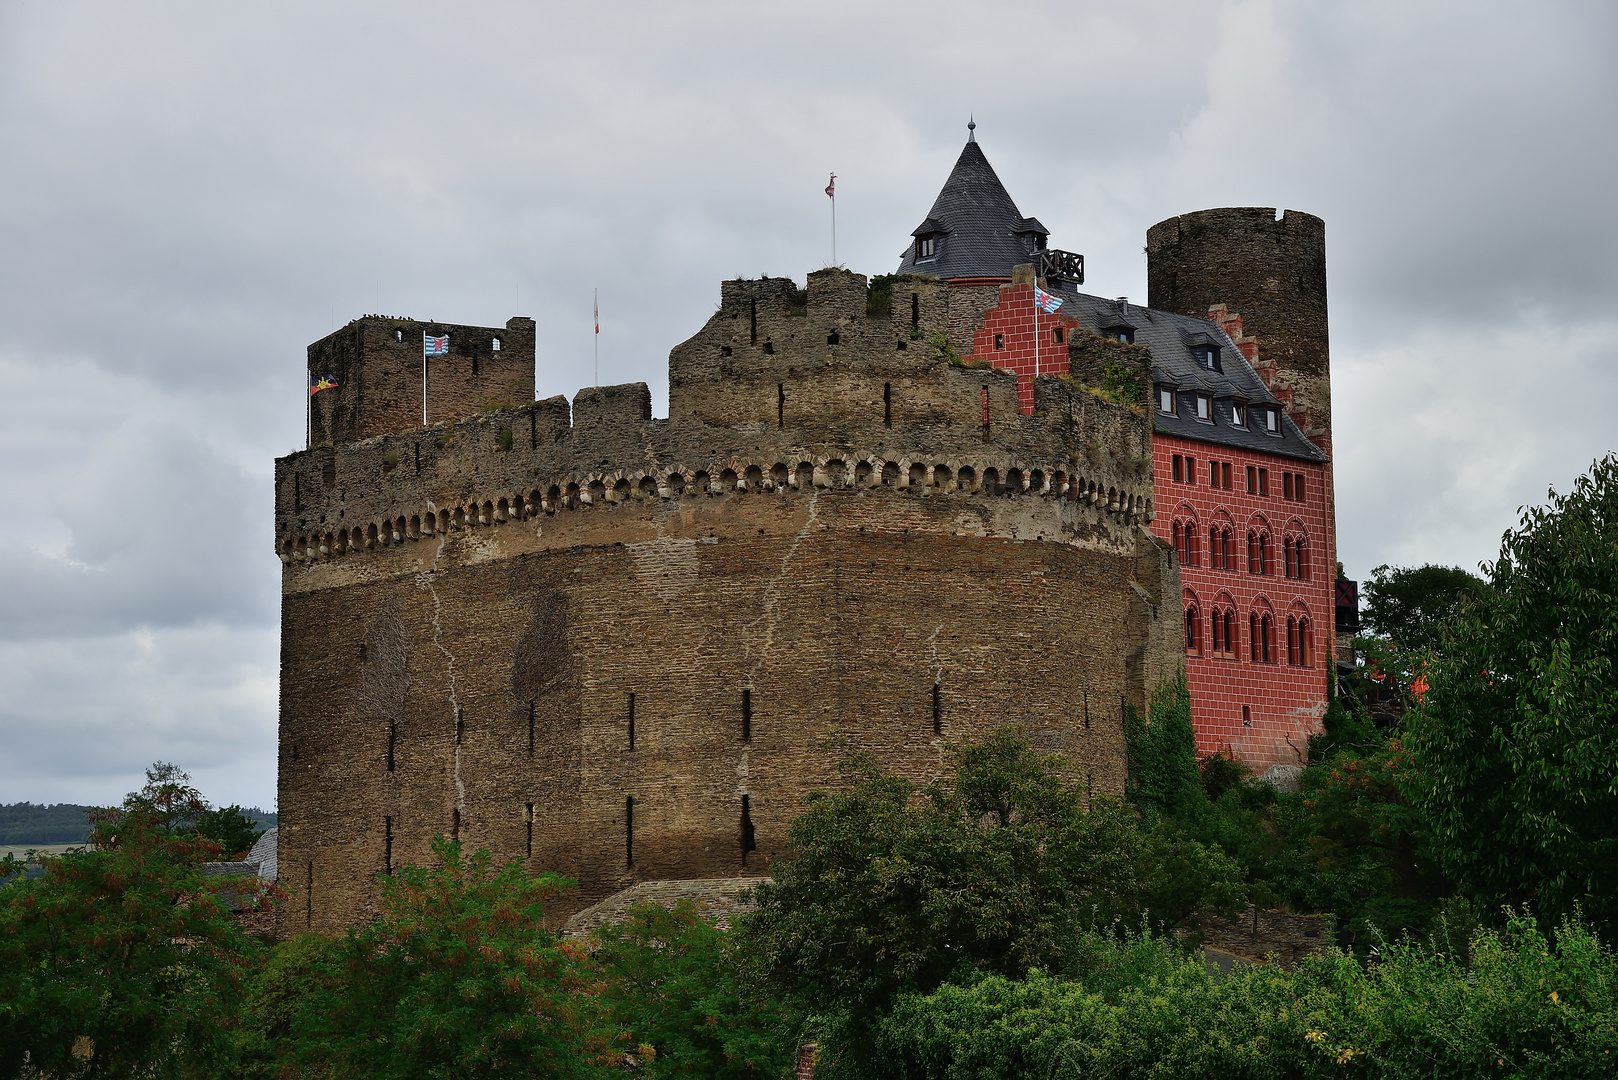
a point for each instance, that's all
(831, 193)
(596, 305)
(424, 381)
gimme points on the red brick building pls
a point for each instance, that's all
(1241, 398)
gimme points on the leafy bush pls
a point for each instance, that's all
(457, 977)
(1163, 772)
(895, 888)
(231, 829)
(677, 985)
(1411, 605)
(879, 293)
(1143, 1008)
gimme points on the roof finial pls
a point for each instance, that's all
(971, 128)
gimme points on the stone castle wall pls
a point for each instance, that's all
(625, 648)
(1270, 270)
(378, 366)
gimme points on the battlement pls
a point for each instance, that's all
(521, 464)
(385, 383)
(782, 390)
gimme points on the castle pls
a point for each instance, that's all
(879, 516)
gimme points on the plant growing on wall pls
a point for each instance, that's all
(1122, 384)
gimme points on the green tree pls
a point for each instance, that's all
(122, 960)
(676, 984)
(231, 829)
(894, 887)
(167, 801)
(457, 977)
(1411, 605)
(1516, 742)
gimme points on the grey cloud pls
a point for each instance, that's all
(195, 193)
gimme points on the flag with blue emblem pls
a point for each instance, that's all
(1045, 302)
(434, 346)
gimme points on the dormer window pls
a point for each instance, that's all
(926, 247)
(1207, 356)
(1272, 421)
(1039, 242)
(1165, 399)
(1238, 414)
(1204, 408)
(495, 346)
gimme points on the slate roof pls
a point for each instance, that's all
(1172, 339)
(980, 231)
(985, 235)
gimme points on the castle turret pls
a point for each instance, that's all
(974, 229)
(388, 376)
(1262, 277)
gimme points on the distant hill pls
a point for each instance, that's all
(65, 823)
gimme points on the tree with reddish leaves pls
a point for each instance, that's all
(458, 977)
(124, 958)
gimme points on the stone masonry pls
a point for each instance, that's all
(625, 648)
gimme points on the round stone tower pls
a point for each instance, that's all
(1269, 273)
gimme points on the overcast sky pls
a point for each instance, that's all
(194, 192)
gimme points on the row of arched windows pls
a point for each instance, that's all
(1220, 638)
(1260, 550)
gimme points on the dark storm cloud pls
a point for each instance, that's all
(194, 192)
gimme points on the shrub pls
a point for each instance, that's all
(1143, 1008)
(676, 985)
(457, 977)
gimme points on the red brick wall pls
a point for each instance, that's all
(1014, 323)
(1284, 703)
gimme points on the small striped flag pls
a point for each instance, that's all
(1045, 302)
(434, 346)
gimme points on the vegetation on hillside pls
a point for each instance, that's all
(999, 924)
(69, 823)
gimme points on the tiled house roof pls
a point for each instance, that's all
(980, 233)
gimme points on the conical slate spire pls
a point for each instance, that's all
(975, 228)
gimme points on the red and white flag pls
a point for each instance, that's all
(831, 188)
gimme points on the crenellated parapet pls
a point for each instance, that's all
(783, 392)
(523, 464)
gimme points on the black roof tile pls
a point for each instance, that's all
(1171, 338)
(982, 232)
